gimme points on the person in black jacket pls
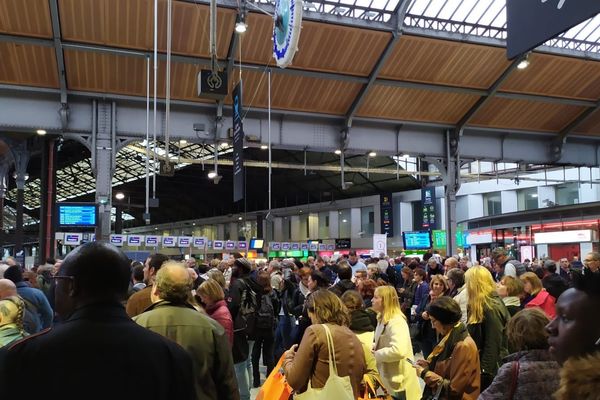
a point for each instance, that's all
(263, 333)
(98, 352)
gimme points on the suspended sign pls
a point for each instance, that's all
(230, 245)
(285, 246)
(199, 242)
(532, 22)
(275, 246)
(72, 239)
(184, 241)
(387, 214)
(135, 240)
(238, 144)
(242, 245)
(428, 205)
(152, 241)
(218, 245)
(118, 240)
(169, 241)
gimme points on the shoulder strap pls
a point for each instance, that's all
(515, 379)
(331, 351)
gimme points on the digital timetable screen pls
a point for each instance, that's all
(417, 240)
(77, 215)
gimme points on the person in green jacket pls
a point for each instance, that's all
(12, 310)
(204, 339)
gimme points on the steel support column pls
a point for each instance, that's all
(450, 169)
(47, 200)
(103, 162)
(60, 63)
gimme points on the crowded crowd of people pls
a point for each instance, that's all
(97, 325)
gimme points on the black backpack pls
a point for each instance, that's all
(265, 314)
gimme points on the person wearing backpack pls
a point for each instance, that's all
(242, 304)
(263, 323)
(509, 267)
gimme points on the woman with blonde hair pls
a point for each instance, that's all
(12, 310)
(308, 366)
(486, 321)
(212, 296)
(537, 296)
(392, 348)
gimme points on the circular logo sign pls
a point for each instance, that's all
(286, 30)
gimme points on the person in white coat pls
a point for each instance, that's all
(392, 347)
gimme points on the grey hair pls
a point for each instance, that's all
(174, 283)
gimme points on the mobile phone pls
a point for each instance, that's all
(411, 362)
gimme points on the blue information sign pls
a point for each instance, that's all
(416, 240)
(77, 215)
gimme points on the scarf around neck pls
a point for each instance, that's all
(445, 347)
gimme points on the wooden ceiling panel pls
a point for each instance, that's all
(29, 65)
(298, 93)
(525, 115)
(415, 105)
(109, 73)
(129, 24)
(106, 73)
(420, 59)
(322, 47)
(557, 76)
(26, 17)
(591, 126)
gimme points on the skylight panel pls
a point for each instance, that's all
(433, 8)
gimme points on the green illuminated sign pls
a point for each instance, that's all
(440, 239)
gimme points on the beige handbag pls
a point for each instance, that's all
(336, 387)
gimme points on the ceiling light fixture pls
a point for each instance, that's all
(372, 154)
(119, 196)
(240, 24)
(264, 147)
(240, 218)
(212, 175)
(183, 142)
(524, 63)
(338, 152)
(41, 132)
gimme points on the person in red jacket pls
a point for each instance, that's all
(212, 296)
(537, 296)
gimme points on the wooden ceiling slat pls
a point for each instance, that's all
(415, 105)
(557, 76)
(26, 17)
(525, 115)
(129, 24)
(298, 93)
(322, 47)
(29, 65)
(419, 59)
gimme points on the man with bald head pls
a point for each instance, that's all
(98, 352)
(205, 340)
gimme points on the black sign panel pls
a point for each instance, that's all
(212, 85)
(532, 22)
(429, 208)
(387, 214)
(343, 244)
(238, 145)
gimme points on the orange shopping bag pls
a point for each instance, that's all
(374, 390)
(275, 387)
